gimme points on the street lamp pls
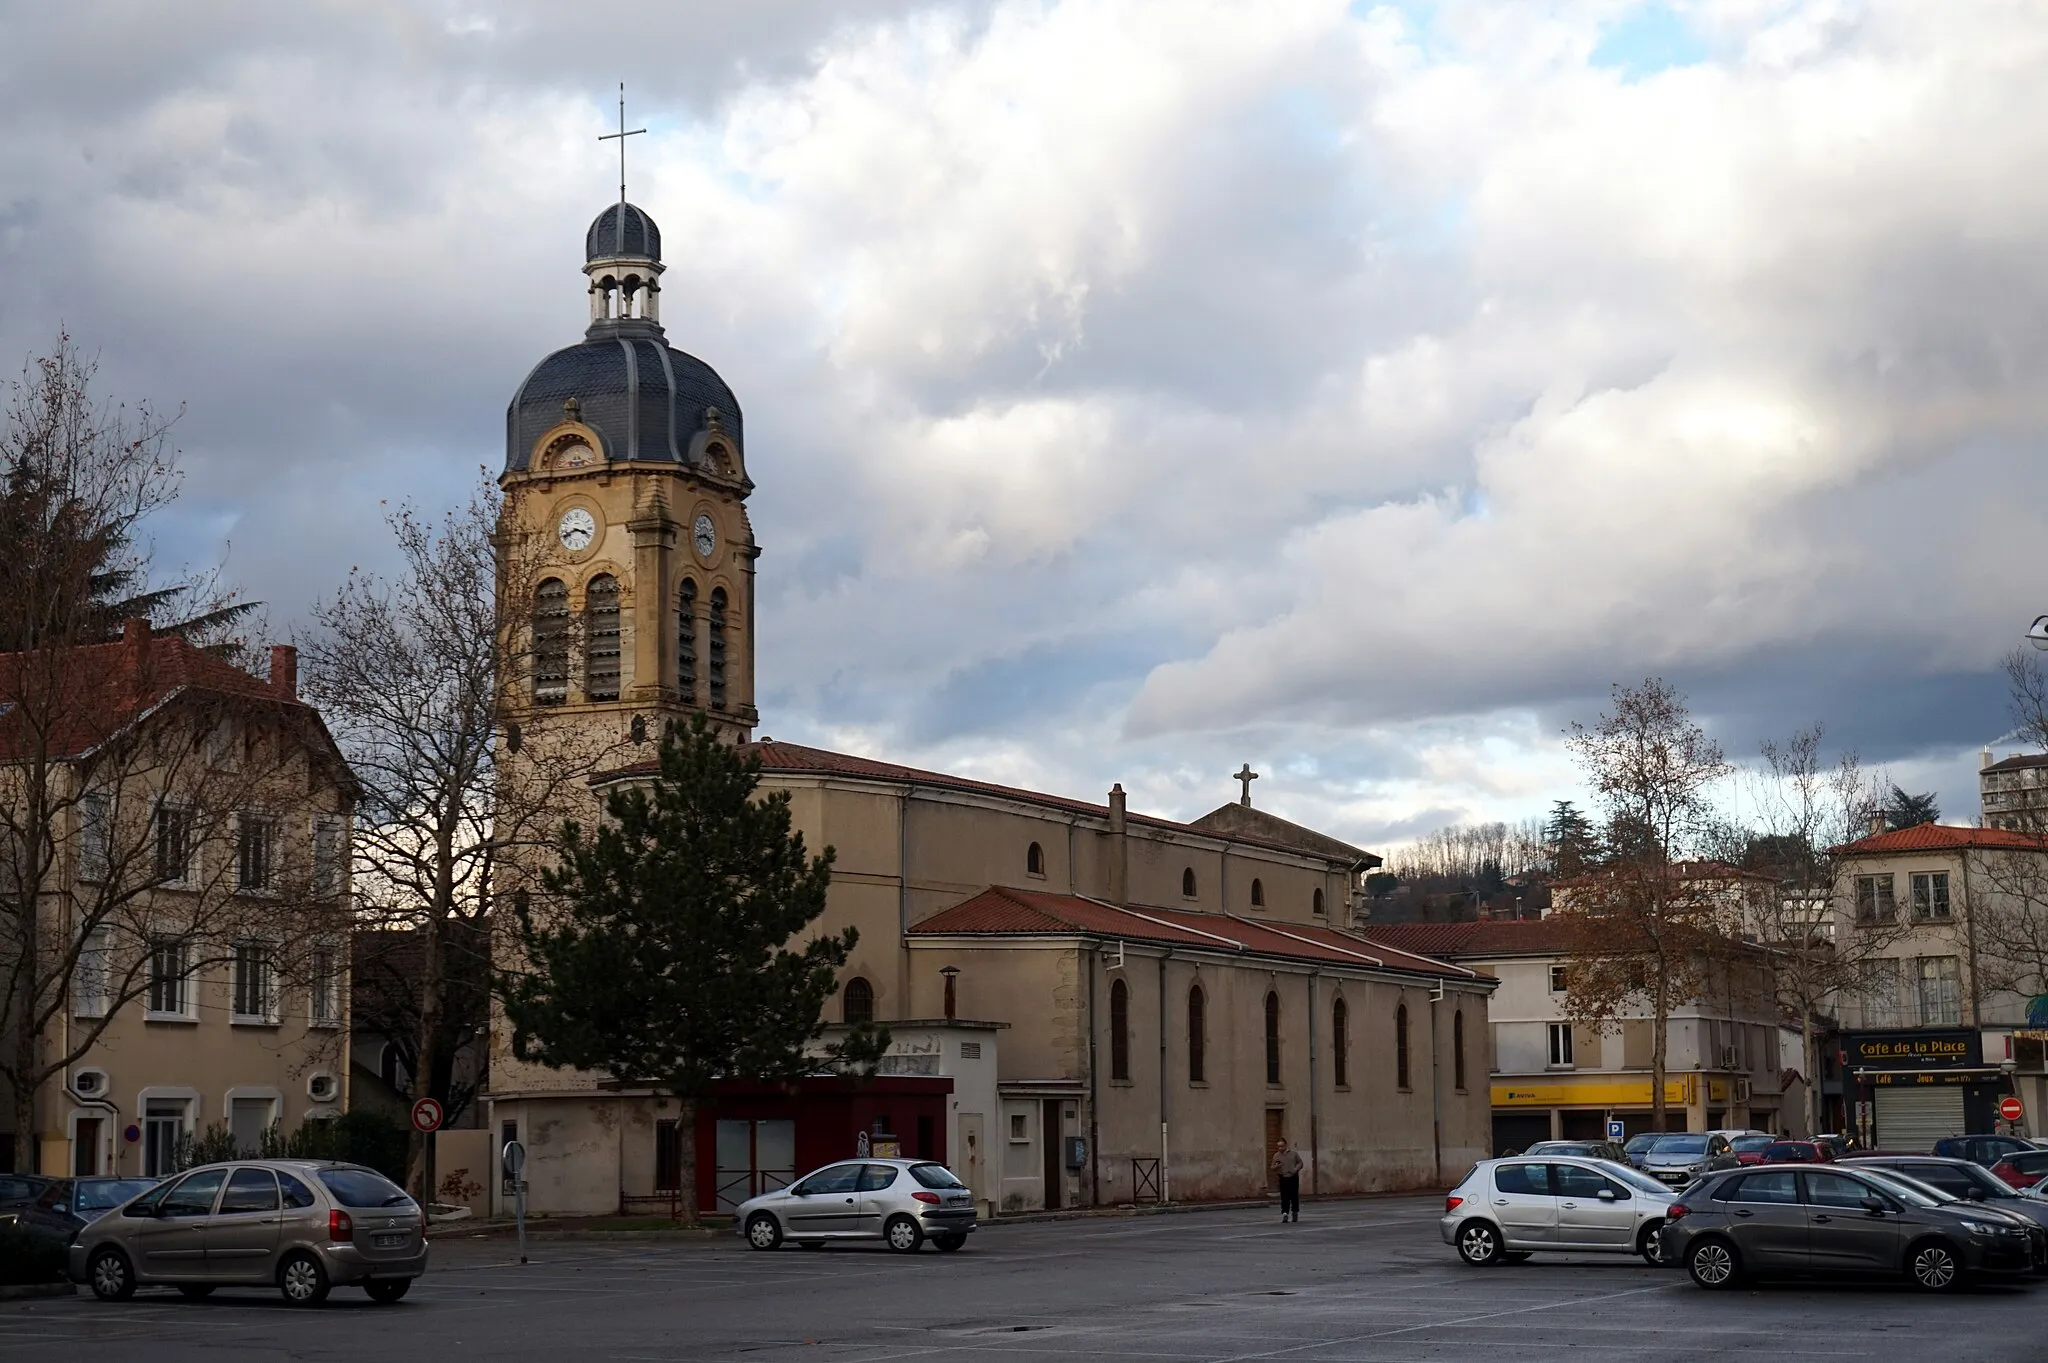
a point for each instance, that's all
(2037, 633)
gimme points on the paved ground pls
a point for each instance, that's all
(1365, 1281)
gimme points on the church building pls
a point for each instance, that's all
(1088, 1005)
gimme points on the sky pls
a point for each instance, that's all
(1136, 388)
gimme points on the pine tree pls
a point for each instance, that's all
(1910, 811)
(1571, 840)
(664, 953)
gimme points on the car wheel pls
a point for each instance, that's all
(764, 1231)
(949, 1243)
(1479, 1243)
(195, 1291)
(1650, 1244)
(903, 1235)
(388, 1289)
(1714, 1264)
(1934, 1267)
(111, 1277)
(302, 1280)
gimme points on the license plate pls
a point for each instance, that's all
(390, 1241)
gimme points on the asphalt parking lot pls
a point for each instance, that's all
(1367, 1280)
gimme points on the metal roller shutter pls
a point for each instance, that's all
(1915, 1118)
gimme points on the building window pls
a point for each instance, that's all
(1034, 860)
(252, 982)
(668, 1155)
(1198, 1042)
(1020, 1129)
(90, 978)
(1340, 1042)
(1187, 883)
(173, 844)
(1930, 895)
(1557, 979)
(1119, 1031)
(1941, 991)
(1874, 902)
(95, 837)
(1458, 1050)
(163, 1133)
(255, 853)
(1883, 1002)
(330, 847)
(717, 649)
(857, 1005)
(686, 642)
(551, 642)
(1258, 894)
(1316, 904)
(1401, 1047)
(169, 994)
(324, 970)
(1272, 1038)
(1561, 1045)
(601, 638)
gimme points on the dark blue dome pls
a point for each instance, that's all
(645, 398)
(622, 230)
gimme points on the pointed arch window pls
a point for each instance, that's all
(857, 1003)
(1401, 1047)
(601, 638)
(1458, 1050)
(686, 642)
(1198, 1047)
(551, 642)
(1340, 1042)
(1272, 1038)
(1258, 893)
(1187, 883)
(1119, 1031)
(715, 637)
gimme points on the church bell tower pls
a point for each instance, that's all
(626, 555)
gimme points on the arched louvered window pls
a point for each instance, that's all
(1272, 1038)
(1258, 893)
(1340, 1042)
(1119, 1031)
(1401, 1047)
(1187, 883)
(716, 639)
(601, 638)
(1034, 860)
(857, 1004)
(686, 642)
(1316, 904)
(1198, 1041)
(551, 642)
(1458, 1049)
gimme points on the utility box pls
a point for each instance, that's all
(1077, 1152)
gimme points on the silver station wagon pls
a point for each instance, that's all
(900, 1202)
(1507, 1209)
(301, 1226)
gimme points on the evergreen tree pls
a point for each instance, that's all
(664, 954)
(1910, 811)
(1569, 834)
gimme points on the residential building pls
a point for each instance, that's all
(2012, 792)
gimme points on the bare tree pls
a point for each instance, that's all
(2006, 913)
(410, 672)
(1645, 928)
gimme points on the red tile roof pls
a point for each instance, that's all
(796, 759)
(1001, 911)
(1497, 937)
(1941, 837)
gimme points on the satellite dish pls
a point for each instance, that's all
(2037, 633)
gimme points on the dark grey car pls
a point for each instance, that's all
(1797, 1219)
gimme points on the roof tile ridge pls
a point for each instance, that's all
(1164, 922)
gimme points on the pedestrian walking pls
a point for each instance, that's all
(1288, 1162)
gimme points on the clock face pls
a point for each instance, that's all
(706, 535)
(577, 529)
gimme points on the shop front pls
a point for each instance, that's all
(1912, 1087)
(1527, 1111)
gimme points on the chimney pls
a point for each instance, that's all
(1877, 822)
(1119, 851)
(1985, 760)
(284, 671)
(135, 632)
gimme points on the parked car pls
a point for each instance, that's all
(1749, 1149)
(1963, 1180)
(1634, 1147)
(18, 1192)
(1607, 1150)
(66, 1205)
(1507, 1209)
(1835, 1141)
(1679, 1157)
(301, 1226)
(1772, 1220)
(900, 1202)
(2023, 1168)
(1984, 1150)
(1798, 1152)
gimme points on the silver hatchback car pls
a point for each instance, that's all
(1507, 1209)
(901, 1202)
(301, 1226)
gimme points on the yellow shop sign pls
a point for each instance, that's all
(1610, 1093)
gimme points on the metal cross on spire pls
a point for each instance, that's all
(621, 135)
(1245, 777)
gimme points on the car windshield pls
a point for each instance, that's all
(1746, 1143)
(1641, 1182)
(1637, 1144)
(97, 1195)
(363, 1188)
(1559, 1148)
(1679, 1145)
(935, 1176)
(1910, 1191)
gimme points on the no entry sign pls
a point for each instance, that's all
(2010, 1109)
(426, 1115)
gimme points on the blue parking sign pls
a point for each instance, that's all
(1615, 1131)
